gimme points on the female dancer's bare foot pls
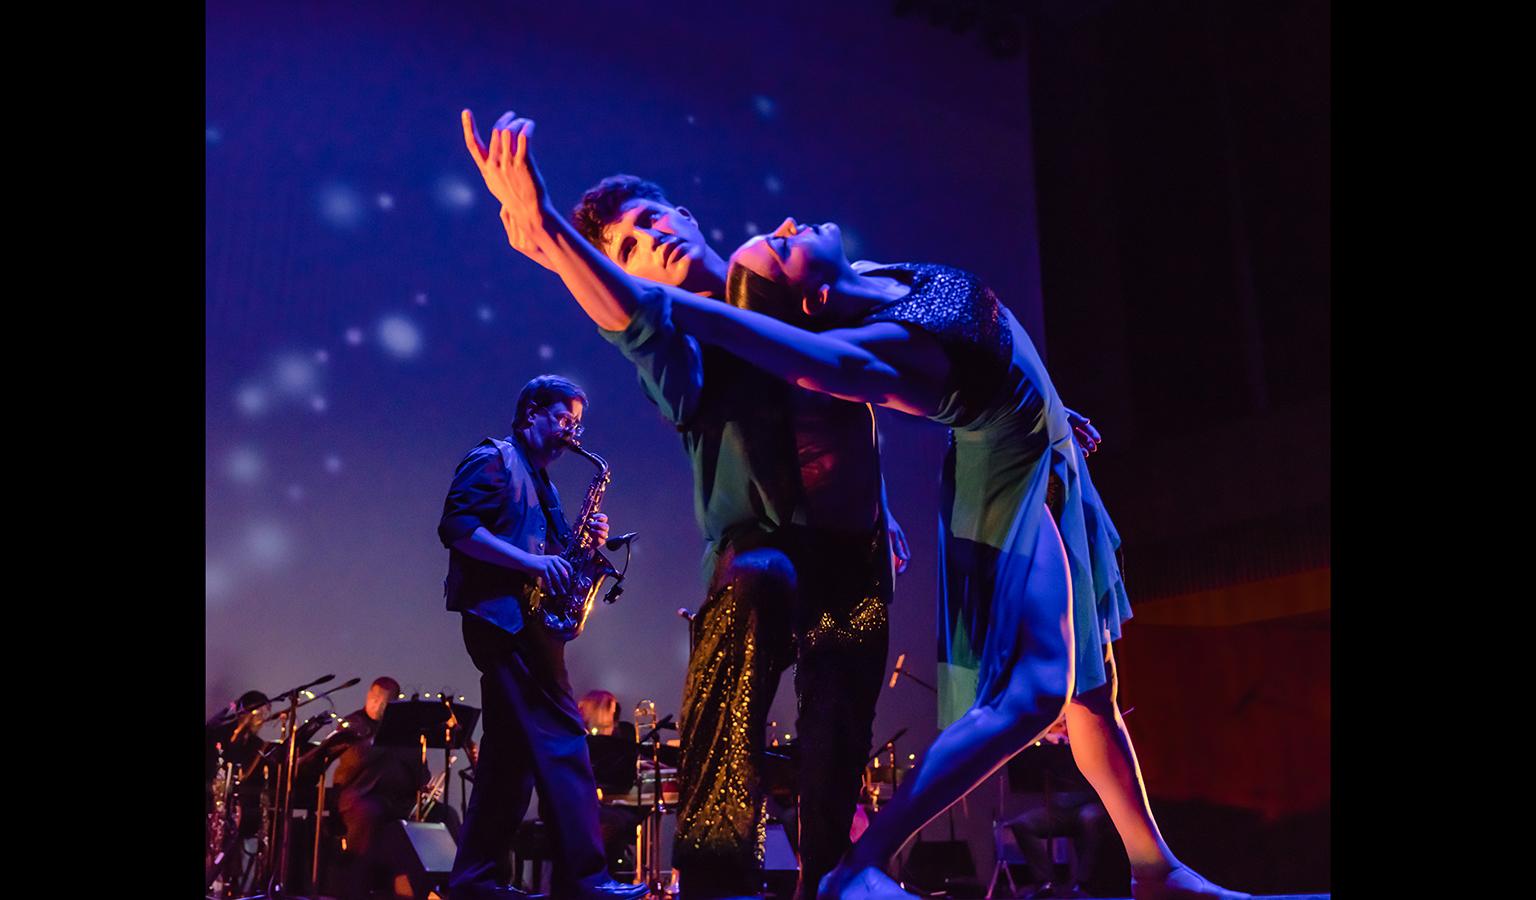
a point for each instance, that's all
(1182, 883)
(864, 884)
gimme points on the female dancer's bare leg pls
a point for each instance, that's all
(982, 740)
(1101, 747)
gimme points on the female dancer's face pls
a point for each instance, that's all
(797, 256)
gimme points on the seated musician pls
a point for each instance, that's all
(612, 746)
(1057, 802)
(233, 735)
(374, 785)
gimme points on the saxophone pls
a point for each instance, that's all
(565, 615)
(223, 822)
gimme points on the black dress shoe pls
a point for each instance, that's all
(612, 890)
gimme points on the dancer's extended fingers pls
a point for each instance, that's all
(472, 139)
(523, 135)
(504, 149)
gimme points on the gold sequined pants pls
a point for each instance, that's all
(775, 603)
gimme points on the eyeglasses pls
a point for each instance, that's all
(568, 423)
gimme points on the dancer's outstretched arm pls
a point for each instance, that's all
(882, 363)
(607, 294)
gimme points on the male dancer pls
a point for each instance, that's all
(504, 528)
(787, 491)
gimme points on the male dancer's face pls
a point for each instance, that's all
(657, 242)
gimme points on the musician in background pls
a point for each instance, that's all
(1057, 803)
(374, 785)
(613, 748)
(233, 734)
(504, 530)
(599, 712)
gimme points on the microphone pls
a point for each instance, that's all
(342, 686)
(615, 543)
(899, 671)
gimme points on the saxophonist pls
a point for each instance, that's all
(504, 530)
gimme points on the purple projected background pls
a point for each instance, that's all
(366, 322)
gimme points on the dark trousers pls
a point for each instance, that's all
(776, 601)
(532, 735)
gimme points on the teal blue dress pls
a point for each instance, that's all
(1011, 455)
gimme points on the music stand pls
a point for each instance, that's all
(428, 723)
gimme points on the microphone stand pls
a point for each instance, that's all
(653, 821)
(285, 796)
(899, 671)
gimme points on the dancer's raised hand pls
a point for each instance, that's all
(488, 160)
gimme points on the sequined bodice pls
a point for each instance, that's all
(969, 323)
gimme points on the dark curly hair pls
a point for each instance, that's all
(600, 205)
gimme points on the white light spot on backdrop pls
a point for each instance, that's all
(340, 206)
(266, 545)
(386, 201)
(399, 336)
(333, 464)
(692, 120)
(421, 298)
(716, 235)
(751, 228)
(354, 336)
(294, 374)
(251, 400)
(317, 403)
(765, 107)
(295, 493)
(773, 184)
(212, 135)
(697, 180)
(322, 357)
(486, 313)
(455, 193)
(546, 352)
(244, 465)
(217, 583)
